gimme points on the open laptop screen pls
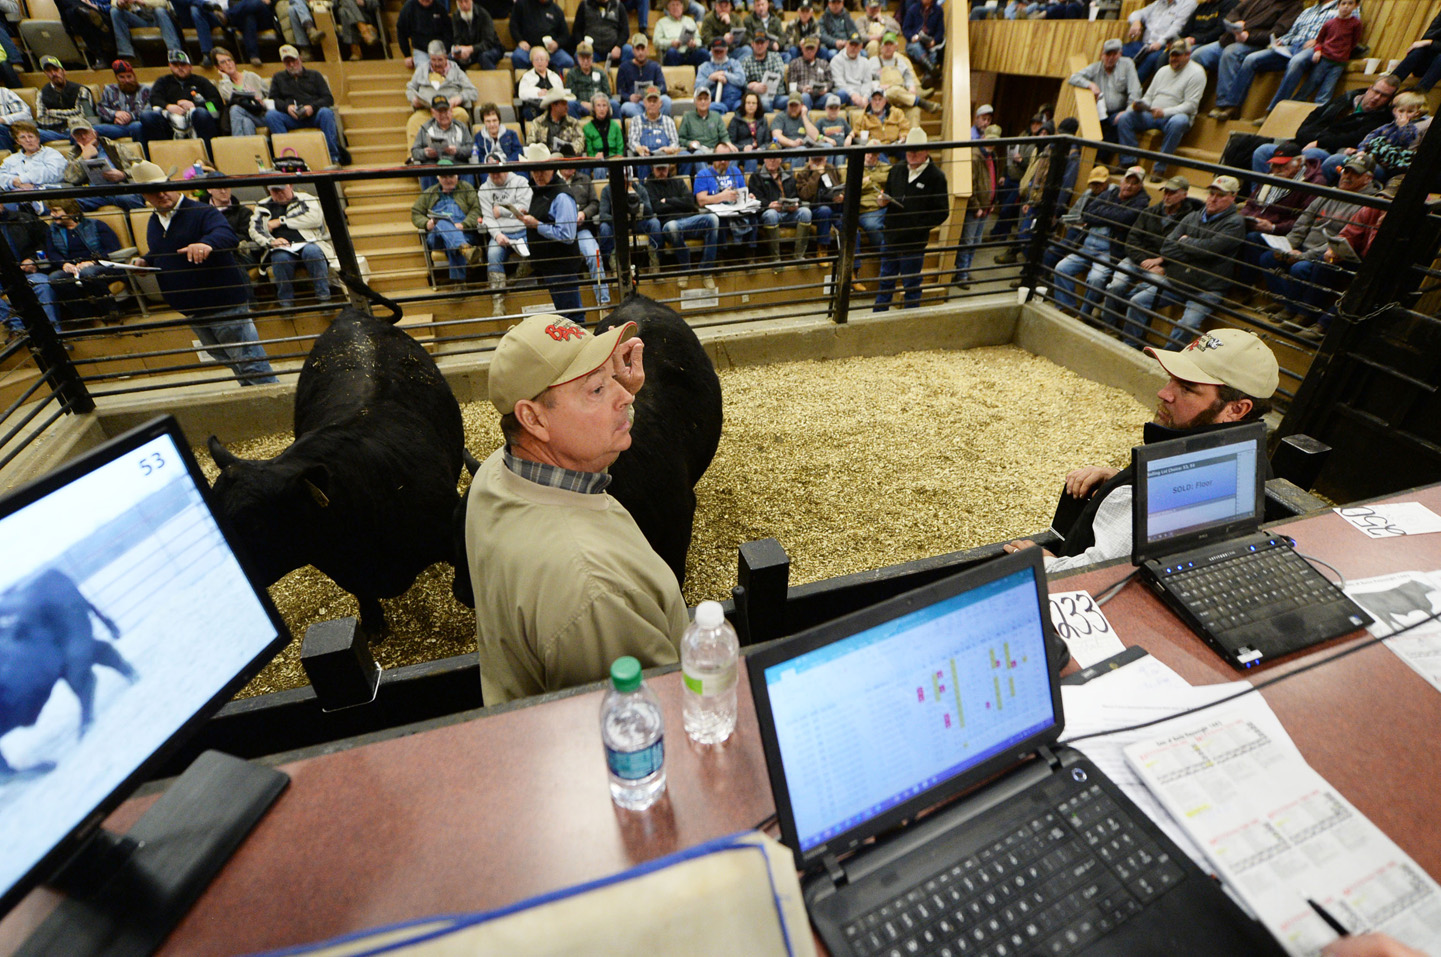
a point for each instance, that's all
(125, 620)
(866, 723)
(1196, 485)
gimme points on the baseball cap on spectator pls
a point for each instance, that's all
(985, 109)
(1230, 357)
(180, 56)
(1225, 184)
(807, 5)
(50, 62)
(718, 40)
(795, 98)
(992, 132)
(121, 66)
(1137, 172)
(1360, 163)
(1179, 46)
(761, 38)
(640, 40)
(1099, 174)
(1176, 182)
(702, 92)
(438, 102)
(544, 351)
(652, 92)
(80, 123)
(888, 37)
(289, 52)
(854, 38)
(584, 48)
(832, 100)
(1111, 46)
(810, 42)
(1286, 152)
(872, 3)
(1070, 126)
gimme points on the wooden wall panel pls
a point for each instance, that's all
(1043, 47)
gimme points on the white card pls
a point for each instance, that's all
(1081, 624)
(1392, 519)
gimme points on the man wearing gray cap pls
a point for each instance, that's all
(984, 113)
(1144, 242)
(1113, 81)
(564, 580)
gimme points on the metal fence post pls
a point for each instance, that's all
(46, 346)
(328, 193)
(1045, 215)
(620, 224)
(850, 231)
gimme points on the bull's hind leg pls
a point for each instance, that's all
(105, 654)
(372, 619)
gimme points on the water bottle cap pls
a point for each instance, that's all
(709, 614)
(625, 674)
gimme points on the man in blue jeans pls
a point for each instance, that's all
(916, 201)
(125, 14)
(1107, 220)
(1238, 69)
(1194, 267)
(681, 219)
(1170, 104)
(303, 99)
(193, 246)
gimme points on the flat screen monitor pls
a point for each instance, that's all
(126, 620)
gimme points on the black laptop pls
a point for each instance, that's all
(912, 752)
(1196, 514)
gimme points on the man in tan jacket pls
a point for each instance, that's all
(564, 580)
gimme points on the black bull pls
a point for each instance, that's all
(46, 637)
(677, 428)
(367, 490)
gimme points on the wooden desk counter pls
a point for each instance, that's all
(480, 814)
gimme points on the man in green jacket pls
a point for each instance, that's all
(701, 130)
(447, 214)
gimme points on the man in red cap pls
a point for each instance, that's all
(564, 580)
(1224, 377)
(124, 109)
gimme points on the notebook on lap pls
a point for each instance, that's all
(1196, 513)
(912, 753)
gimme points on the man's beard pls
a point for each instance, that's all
(1206, 416)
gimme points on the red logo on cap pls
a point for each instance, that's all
(1204, 342)
(561, 333)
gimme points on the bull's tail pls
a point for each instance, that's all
(104, 619)
(356, 284)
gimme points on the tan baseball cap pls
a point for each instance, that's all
(544, 351)
(288, 52)
(1099, 174)
(1226, 184)
(1230, 357)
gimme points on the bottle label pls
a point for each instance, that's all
(715, 684)
(634, 765)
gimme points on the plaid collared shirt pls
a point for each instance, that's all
(805, 75)
(569, 480)
(756, 70)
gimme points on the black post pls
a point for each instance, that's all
(329, 195)
(850, 233)
(1046, 214)
(617, 176)
(45, 345)
(1384, 277)
(764, 572)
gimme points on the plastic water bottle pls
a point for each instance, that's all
(197, 170)
(633, 732)
(708, 652)
(475, 153)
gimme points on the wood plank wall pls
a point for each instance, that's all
(1043, 47)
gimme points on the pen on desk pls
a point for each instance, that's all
(1330, 920)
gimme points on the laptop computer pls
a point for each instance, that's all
(912, 754)
(1196, 515)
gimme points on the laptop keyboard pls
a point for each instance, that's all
(1053, 885)
(1252, 587)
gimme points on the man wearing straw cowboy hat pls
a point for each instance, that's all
(564, 580)
(193, 247)
(916, 200)
(551, 228)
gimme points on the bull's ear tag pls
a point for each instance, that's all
(320, 497)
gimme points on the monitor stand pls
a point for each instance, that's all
(126, 893)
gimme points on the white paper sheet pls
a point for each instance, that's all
(1277, 833)
(1402, 599)
(1082, 625)
(1392, 519)
(1276, 242)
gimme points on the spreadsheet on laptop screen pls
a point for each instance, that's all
(1197, 490)
(868, 722)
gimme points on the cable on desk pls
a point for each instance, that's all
(1367, 643)
(1340, 578)
(1115, 589)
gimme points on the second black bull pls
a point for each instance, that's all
(677, 427)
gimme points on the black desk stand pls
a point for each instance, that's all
(125, 894)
